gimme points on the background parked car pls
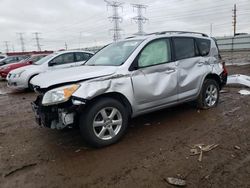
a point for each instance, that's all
(5, 69)
(12, 59)
(20, 78)
(2, 56)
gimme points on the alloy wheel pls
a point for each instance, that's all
(107, 123)
(211, 95)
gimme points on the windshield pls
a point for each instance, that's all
(114, 54)
(43, 60)
(36, 58)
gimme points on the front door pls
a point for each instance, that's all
(155, 80)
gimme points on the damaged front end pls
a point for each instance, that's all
(57, 112)
(56, 116)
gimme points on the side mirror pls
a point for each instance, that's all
(51, 64)
(134, 65)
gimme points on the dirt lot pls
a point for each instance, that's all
(155, 147)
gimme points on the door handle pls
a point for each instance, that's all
(169, 71)
(201, 64)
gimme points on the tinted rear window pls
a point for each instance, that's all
(204, 46)
(184, 48)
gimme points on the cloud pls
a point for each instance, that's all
(62, 21)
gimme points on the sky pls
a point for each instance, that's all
(85, 23)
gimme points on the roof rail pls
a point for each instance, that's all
(178, 32)
(130, 37)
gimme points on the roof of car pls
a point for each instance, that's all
(169, 34)
(66, 51)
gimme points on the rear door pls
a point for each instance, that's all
(81, 58)
(191, 66)
(155, 79)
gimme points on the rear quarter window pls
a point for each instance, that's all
(203, 46)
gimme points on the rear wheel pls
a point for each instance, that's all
(104, 122)
(209, 95)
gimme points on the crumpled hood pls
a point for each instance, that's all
(73, 74)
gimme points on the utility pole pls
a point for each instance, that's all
(21, 41)
(13, 48)
(6, 46)
(115, 18)
(211, 30)
(66, 46)
(234, 19)
(80, 42)
(139, 19)
(37, 41)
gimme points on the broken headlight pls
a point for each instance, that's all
(59, 95)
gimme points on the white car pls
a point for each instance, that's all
(20, 78)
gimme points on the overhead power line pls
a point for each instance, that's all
(66, 46)
(37, 39)
(115, 18)
(140, 19)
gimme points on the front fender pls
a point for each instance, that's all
(96, 87)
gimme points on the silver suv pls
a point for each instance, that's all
(128, 78)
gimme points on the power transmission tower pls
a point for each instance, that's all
(115, 18)
(140, 19)
(21, 41)
(211, 30)
(37, 41)
(13, 48)
(6, 46)
(234, 19)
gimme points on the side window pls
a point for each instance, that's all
(204, 46)
(64, 59)
(184, 48)
(82, 56)
(154, 53)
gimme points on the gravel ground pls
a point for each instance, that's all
(156, 146)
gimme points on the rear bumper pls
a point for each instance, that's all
(223, 78)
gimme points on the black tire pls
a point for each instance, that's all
(201, 102)
(92, 112)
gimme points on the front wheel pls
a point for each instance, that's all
(103, 122)
(30, 87)
(209, 95)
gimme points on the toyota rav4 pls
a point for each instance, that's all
(128, 78)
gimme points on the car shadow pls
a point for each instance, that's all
(71, 137)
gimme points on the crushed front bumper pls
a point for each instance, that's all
(55, 116)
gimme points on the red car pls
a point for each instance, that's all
(4, 70)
